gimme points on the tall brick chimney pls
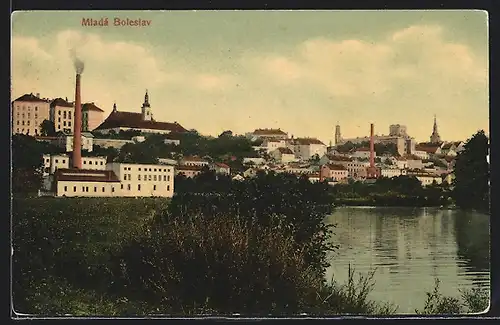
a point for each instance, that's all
(77, 123)
(372, 148)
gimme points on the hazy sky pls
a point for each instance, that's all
(301, 71)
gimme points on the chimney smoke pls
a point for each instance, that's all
(79, 65)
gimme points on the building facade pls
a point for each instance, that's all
(62, 113)
(28, 113)
(92, 117)
(305, 148)
(66, 142)
(143, 122)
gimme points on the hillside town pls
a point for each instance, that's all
(84, 126)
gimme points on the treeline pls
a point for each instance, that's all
(380, 148)
(397, 191)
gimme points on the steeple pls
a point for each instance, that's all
(435, 138)
(146, 108)
(338, 136)
(114, 107)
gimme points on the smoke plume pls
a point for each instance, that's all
(77, 62)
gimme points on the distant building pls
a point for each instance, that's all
(142, 122)
(338, 135)
(92, 116)
(283, 155)
(28, 113)
(305, 148)
(193, 161)
(334, 172)
(62, 114)
(221, 168)
(392, 172)
(188, 171)
(65, 141)
(267, 133)
(435, 138)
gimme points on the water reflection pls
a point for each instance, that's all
(410, 247)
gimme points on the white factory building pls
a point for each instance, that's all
(100, 179)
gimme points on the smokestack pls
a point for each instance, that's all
(372, 148)
(77, 123)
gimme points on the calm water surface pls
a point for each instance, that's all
(410, 247)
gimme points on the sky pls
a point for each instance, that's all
(301, 71)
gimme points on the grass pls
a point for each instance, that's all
(126, 257)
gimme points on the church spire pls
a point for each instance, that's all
(114, 107)
(146, 100)
(435, 138)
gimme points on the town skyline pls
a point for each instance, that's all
(282, 74)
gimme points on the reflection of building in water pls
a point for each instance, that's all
(386, 240)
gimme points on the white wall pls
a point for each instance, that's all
(89, 189)
(144, 180)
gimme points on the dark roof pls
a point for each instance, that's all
(85, 175)
(30, 98)
(221, 165)
(307, 141)
(285, 151)
(134, 120)
(91, 107)
(427, 148)
(447, 146)
(61, 102)
(334, 167)
(338, 158)
(268, 131)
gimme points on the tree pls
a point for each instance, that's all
(471, 183)
(47, 128)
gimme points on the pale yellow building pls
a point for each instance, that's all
(62, 114)
(28, 113)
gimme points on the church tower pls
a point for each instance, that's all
(435, 138)
(338, 136)
(146, 109)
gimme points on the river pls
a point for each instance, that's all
(410, 247)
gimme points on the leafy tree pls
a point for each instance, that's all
(47, 128)
(27, 162)
(471, 183)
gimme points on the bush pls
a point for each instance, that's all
(218, 265)
(473, 301)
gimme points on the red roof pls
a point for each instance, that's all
(334, 167)
(91, 107)
(307, 141)
(84, 175)
(428, 149)
(221, 165)
(134, 120)
(268, 131)
(193, 158)
(61, 102)
(30, 98)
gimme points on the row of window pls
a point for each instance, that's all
(150, 169)
(27, 131)
(29, 115)
(150, 177)
(86, 188)
(27, 122)
(84, 162)
(64, 123)
(24, 108)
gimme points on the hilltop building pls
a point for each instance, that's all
(62, 113)
(142, 122)
(28, 113)
(267, 133)
(92, 117)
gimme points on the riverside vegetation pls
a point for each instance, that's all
(253, 247)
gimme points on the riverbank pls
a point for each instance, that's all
(186, 267)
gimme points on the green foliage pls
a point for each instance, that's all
(122, 135)
(471, 183)
(54, 235)
(472, 301)
(396, 191)
(27, 163)
(260, 200)
(47, 128)
(380, 148)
